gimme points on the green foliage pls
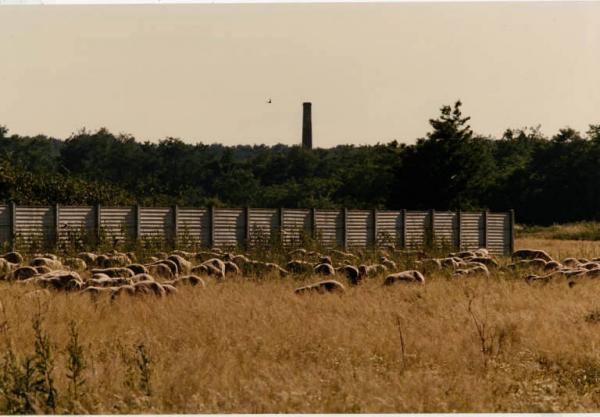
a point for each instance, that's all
(451, 168)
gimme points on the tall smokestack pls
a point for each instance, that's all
(306, 126)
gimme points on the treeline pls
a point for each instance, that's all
(545, 180)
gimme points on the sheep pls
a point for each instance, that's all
(240, 260)
(88, 257)
(405, 276)
(299, 267)
(552, 266)
(185, 255)
(24, 272)
(13, 257)
(489, 262)
(570, 262)
(204, 256)
(371, 270)
(123, 290)
(138, 269)
(169, 289)
(114, 272)
(113, 261)
(352, 274)
(160, 271)
(192, 280)
(345, 255)
(216, 263)
(324, 269)
(42, 269)
(149, 287)
(172, 266)
(63, 280)
(50, 263)
(232, 268)
(183, 266)
(479, 269)
(531, 254)
(388, 263)
(76, 264)
(325, 260)
(5, 267)
(322, 287)
(142, 277)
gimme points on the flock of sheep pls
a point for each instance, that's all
(118, 274)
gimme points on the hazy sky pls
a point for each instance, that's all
(374, 72)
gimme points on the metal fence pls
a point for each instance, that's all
(207, 227)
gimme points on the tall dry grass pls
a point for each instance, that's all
(247, 346)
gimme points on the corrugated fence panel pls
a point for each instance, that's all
(471, 231)
(417, 228)
(4, 224)
(118, 222)
(34, 224)
(75, 221)
(156, 222)
(229, 227)
(389, 228)
(194, 225)
(262, 224)
(330, 227)
(359, 225)
(498, 233)
(295, 223)
(445, 228)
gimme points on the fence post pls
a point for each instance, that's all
(246, 228)
(175, 219)
(137, 223)
(511, 231)
(432, 227)
(313, 223)
(458, 237)
(345, 229)
(97, 224)
(403, 228)
(375, 232)
(280, 213)
(56, 225)
(212, 226)
(12, 226)
(485, 228)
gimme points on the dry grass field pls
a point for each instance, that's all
(469, 344)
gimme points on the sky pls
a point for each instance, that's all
(374, 72)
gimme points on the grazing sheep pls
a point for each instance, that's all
(322, 287)
(88, 257)
(345, 255)
(13, 257)
(123, 290)
(570, 262)
(149, 287)
(352, 274)
(489, 262)
(5, 267)
(531, 254)
(475, 270)
(231, 268)
(192, 280)
(47, 262)
(324, 269)
(76, 264)
(169, 289)
(217, 263)
(405, 276)
(430, 264)
(142, 277)
(113, 261)
(185, 255)
(552, 266)
(183, 266)
(371, 270)
(240, 260)
(24, 272)
(160, 271)
(172, 266)
(138, 269)
(389, 264)
(299, 267)
(42, 269)
(114, 272)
